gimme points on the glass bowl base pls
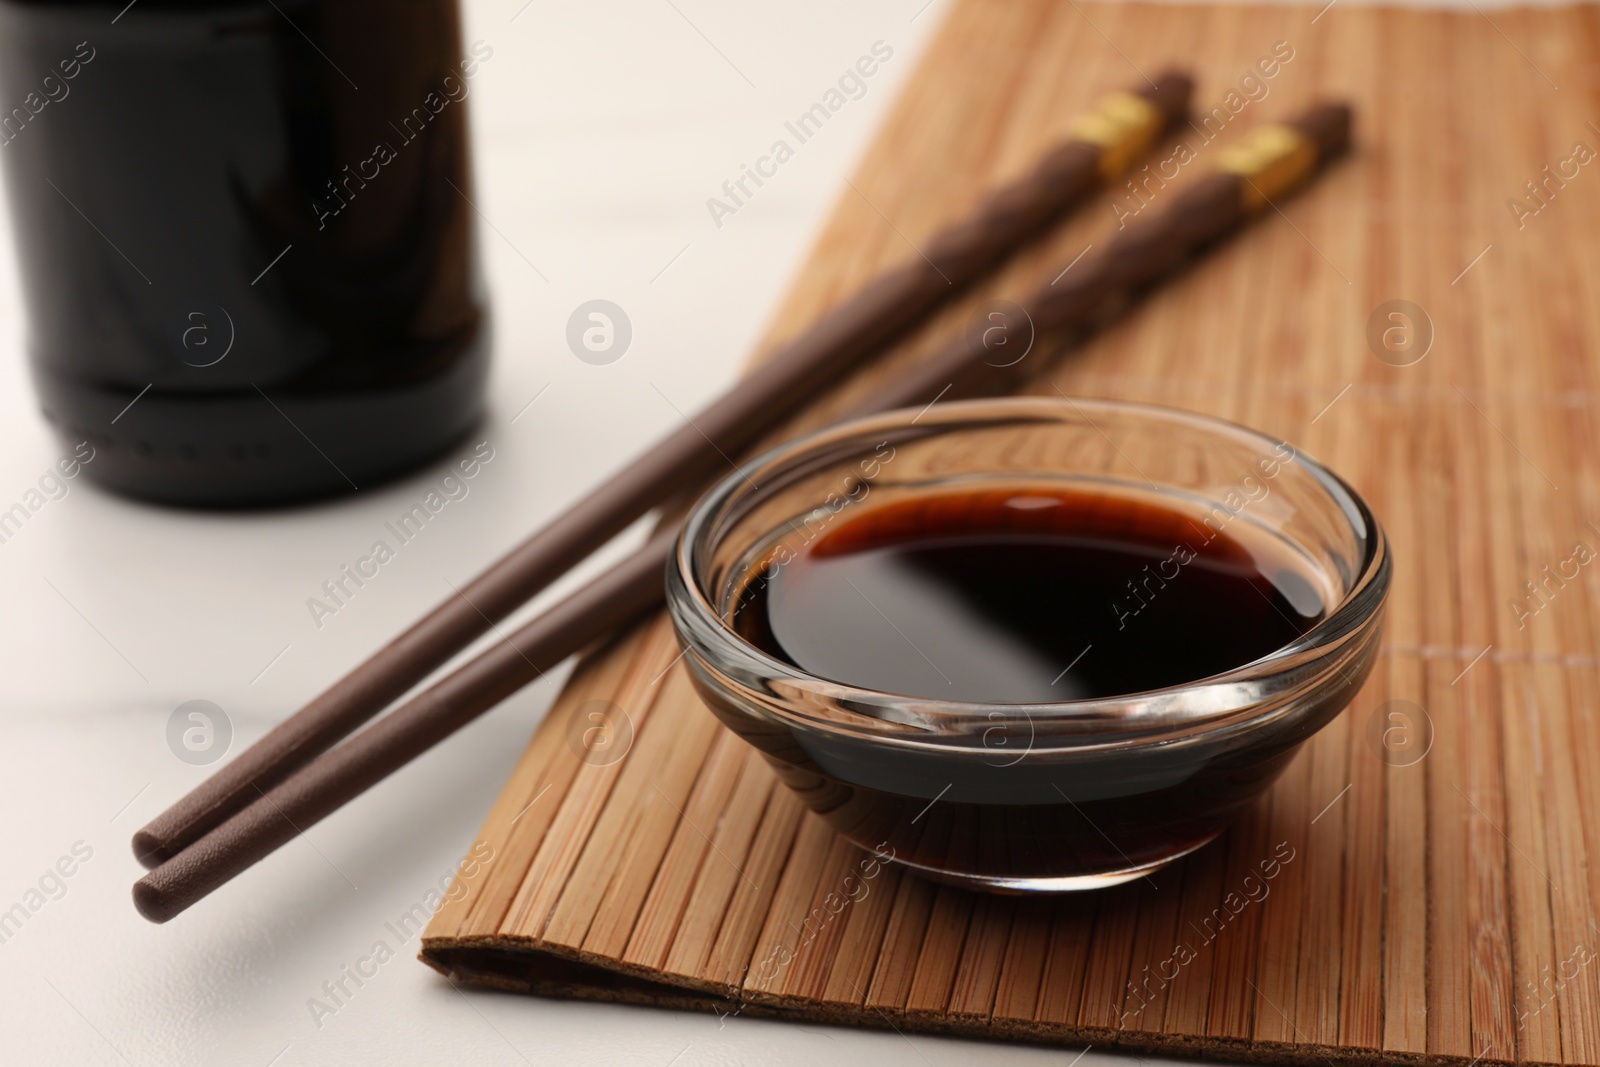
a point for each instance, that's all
(1023, 885)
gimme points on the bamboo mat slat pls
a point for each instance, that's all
(1440, 911)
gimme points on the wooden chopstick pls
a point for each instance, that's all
(1104, 143)
(1273, 161)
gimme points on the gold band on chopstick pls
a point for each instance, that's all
(1272, 160)
(1123, 125)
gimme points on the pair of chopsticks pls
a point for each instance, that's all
(295, 776)
(1103, 144)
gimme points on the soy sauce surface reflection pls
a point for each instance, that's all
(1016, 596)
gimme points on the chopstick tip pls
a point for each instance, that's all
(152, 901)
(148, 849)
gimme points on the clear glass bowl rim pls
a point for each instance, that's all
(1296, 667)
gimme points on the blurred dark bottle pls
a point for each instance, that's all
(245, 242)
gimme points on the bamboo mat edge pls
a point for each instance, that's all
(444, 953)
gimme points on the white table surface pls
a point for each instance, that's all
(600, 130)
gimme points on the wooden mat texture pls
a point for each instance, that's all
(1439, 909)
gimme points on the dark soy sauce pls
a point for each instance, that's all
(1025, 596)
(994, 596)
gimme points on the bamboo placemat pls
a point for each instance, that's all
(1437, 909)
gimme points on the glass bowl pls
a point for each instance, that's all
(1040, 797)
